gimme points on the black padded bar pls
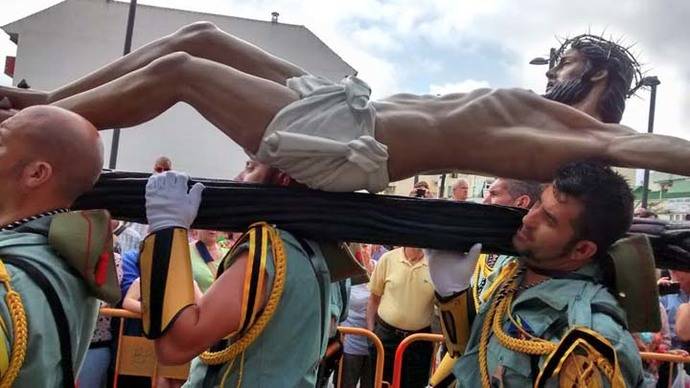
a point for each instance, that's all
(359, 217)
(318, 215)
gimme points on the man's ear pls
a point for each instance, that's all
(522, 201)
(584, 251)
(599, 75)
(283, 179)
(36, 173)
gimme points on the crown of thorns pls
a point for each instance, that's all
(613, 50)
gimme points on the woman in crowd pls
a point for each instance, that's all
(206, 253)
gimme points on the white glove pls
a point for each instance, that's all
(168, 204)
(452, 271)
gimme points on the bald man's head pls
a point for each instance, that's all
(49, 152)
(162, 164)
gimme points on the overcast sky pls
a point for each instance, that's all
(455, 45)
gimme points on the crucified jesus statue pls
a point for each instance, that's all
(330, 136)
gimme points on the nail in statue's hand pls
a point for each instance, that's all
(168, 202)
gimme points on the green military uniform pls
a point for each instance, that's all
(41, 366)
(287, 352)
(547, 311)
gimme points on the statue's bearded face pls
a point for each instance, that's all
(566, 82)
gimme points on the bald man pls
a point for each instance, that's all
(39, 148)
(39, 180)
(162, 164)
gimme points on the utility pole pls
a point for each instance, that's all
(652, 82)
(115, 144)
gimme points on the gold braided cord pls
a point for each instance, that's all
(483, 347)
(535, 346)
(20, 331)
(229, 369)
(478, 271)
(487, 324)
(239, 378)
(227, 372)
(241, 344)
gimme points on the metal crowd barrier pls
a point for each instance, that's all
(378, 371)
(400, 351)
(146, 351)
(667, 362)
(139, 354)
(665, 357)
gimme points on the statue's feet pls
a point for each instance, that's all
(21, 98)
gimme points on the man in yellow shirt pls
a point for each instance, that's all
(402, 303)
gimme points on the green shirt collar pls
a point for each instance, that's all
(557, 292)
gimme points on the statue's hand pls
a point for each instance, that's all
(452, 271)
(168, 203)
